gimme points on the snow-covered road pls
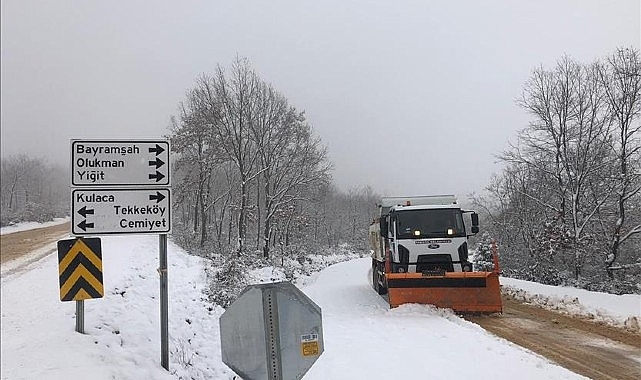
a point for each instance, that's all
(366, 340)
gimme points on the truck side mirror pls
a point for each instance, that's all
(475, 222)
(383, 226)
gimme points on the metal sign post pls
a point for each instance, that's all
(80, 316)
(164, 303)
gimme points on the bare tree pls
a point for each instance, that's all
(271, 132)
(236, 98)
(197, 159)
(564, 142)
(566, 147)
(238, 138)
(14, 170)
(621, 80)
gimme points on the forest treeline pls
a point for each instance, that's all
(32, 189)
(252, 181)
(567, 207)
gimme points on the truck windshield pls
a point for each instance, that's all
(416, 224)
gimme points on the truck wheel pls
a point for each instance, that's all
(376, 280)
(375, 276)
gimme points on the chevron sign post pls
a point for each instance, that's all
(80, 269)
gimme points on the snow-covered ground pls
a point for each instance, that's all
(363, 338)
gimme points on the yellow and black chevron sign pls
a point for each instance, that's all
(80, 269)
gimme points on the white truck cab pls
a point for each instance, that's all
(424, 234)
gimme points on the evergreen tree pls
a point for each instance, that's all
(482, 258)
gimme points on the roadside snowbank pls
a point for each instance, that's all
(617, 310)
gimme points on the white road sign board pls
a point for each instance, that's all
(120, 211)
(99, 163)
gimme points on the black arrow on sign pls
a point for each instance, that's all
(158, 176)
(84, 212)
(157, 149)
(156, 197)
(158, 163)
(84, 225)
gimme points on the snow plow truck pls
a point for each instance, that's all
(420, 255)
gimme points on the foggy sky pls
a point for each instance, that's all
(410, 97)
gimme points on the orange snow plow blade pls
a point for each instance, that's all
(465, 292)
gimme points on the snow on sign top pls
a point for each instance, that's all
(98, 163)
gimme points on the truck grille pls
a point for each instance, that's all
(434, 264)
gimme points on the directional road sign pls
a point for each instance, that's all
(80, 269)
(120, 211)
(272, 331)
(99, 163)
